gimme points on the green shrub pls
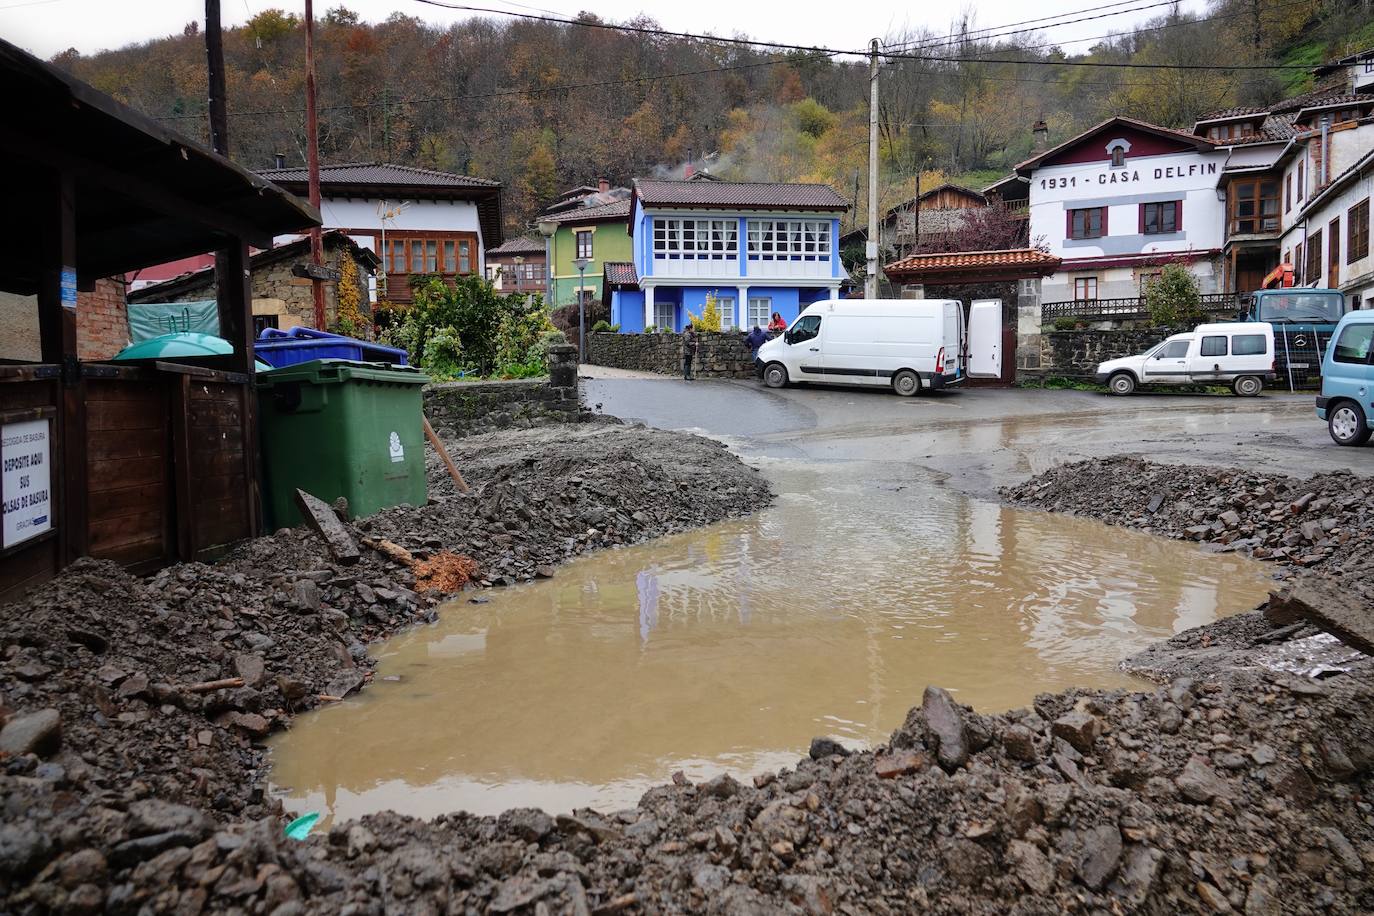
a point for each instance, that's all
(602, 325)
(1065, 324)
(1173, 298)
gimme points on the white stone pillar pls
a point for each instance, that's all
(648, 306)
(742, 309)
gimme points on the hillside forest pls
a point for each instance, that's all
(544, 106)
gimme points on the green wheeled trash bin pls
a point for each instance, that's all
(339, 427)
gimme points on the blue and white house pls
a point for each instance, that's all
(758, 247)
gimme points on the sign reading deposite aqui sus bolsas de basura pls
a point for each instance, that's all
(25, 482)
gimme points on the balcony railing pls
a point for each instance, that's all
(1128, 308)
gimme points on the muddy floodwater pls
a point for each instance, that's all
(728, 648)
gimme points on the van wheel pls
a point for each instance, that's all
(1122, 383)
(1346, 423)
(906, 383)
(1247, 386)
(775, 375)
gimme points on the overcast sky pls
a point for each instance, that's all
(45, 27)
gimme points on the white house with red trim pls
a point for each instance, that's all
(1119, 201)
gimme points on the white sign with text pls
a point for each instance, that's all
(26, 485)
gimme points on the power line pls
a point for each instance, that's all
(784, 46)
(975, 35)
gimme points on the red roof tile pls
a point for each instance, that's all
(1026, 261)
(620, 273)
(383, 173)
(619, 209)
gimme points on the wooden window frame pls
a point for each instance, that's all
(1177, 208)
(1085, 281)
(1314, 250)
(1357, 232)
(1257, 199)
(1069, 225)
(579, 236)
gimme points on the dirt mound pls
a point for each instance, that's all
(1295, 522)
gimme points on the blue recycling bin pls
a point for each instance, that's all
(300, 345)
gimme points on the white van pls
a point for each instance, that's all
(1239, 354)
(907, 344)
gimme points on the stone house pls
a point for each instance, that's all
(282, 297)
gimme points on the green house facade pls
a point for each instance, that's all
(599, 234)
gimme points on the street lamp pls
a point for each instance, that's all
(581, 265)
(519, 280)
(547, 228)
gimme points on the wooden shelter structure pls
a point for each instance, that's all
(141, 464)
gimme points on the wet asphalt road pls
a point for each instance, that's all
(980, 439)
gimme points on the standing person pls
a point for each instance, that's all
(756, 339)
(689, 351)
(777, 325)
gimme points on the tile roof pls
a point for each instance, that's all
(744, 194)
(1197, 141)
(1225, 113)
(382, 173)
(520, 244)
(1027, 261)
(620, 273)
(618, 209)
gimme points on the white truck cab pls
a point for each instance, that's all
(1238, 353)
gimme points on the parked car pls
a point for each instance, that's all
(1347, 399)
(1239, 354)
(907, 344)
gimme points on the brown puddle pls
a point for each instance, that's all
(727, 649)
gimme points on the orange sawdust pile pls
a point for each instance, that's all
(444, 572)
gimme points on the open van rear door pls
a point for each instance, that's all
(985, 339)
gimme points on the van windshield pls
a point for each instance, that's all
(1289, 307)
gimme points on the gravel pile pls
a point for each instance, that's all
(1296, 522)
(1245, 797)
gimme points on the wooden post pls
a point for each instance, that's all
(312, 162)
(58, 343)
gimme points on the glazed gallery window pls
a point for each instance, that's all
(1088, 224)
(789, 239)
(696, 239)
(1159, 218)
(584, 244)
(1357, 232)
(1085, 287)
(1255, 206)
(428, 256)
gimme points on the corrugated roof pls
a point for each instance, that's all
(521, 244)
(1032, 261)
(381, 173)
(620, 273)
(619, 209)
(742, 194)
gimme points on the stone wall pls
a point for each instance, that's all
(722, 355)
(279, 293)
(1075, 354)
(457, 409)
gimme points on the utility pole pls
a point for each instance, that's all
(312, 162)
(214, 58)
(871, 249)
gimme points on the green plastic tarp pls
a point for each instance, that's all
(170, 346)
(154, 319)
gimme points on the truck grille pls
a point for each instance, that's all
(1298, 356)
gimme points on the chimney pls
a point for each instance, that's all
(688, 170)
(603, 184)
(1041, 132)
(279, 160)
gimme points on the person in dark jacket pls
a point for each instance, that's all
(756, 339)
(689, 351)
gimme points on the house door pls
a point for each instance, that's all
(1333, 258)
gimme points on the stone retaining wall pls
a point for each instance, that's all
(1075, 354)
(467, 408)
(723, 355)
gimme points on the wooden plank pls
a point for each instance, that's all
(128, 471)
(322, 520)
(124, 415)
(219, 486)
(106, 534)
(217, 463)
(117, 501)
(1343, 608)
(183, 486)
(103, 389)
(30, 566)
(109, 444)
(136, 554)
